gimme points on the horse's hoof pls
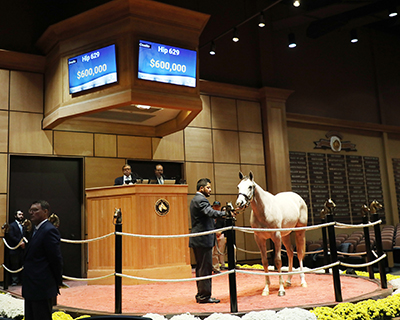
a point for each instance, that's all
(265, 293)
(288, 284)
(304, 285)
(281, 293)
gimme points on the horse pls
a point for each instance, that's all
(283, 210)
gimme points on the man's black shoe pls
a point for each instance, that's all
(209, 300)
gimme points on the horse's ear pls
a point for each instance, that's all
(241, 175)
(251, 176)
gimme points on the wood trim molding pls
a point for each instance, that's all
(12, 60)
(294, 118)
(228, 90)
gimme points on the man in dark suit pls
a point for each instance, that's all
(158, 175)
(15, 234)
(42, 265)
(202, 216)
(127, 178)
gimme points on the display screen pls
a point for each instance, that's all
(92, 69)
(168, 64)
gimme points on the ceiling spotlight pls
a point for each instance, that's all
(261, 20)
(235, 37)
(353, 36)
(212, 49)
(296, 3)
(392, 11)
(292, 40)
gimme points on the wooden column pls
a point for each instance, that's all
(276, 145)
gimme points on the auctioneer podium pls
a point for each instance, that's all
(146, 209)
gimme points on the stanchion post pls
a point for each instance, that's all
(325, 244)
(230, 242)
(379, 249)
(368, 247)
(334, 258)
(118, 260)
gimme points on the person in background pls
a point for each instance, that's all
(159, 173)
(43, 264)
(15, 234)
(220, 244)
(127, 178)
(202, 217)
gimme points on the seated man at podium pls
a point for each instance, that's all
(158, 175)
(127, 178)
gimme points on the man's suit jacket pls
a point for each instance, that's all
(202, 216)
(42, 264)
(14, 237)
(120, 180)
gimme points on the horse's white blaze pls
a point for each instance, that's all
(284, 210)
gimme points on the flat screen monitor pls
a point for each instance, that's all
(92, 69)
(168, 64)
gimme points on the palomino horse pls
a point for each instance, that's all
(284, 210)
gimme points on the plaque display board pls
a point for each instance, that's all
(349, 180)
(396, 171)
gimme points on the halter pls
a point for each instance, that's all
(247, 198)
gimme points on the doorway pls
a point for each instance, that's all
(58, 181)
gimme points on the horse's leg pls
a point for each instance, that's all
(289, 249)
(301, 248)
(262, 245)
(276, 238)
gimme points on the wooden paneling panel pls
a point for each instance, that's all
(102, 171)
(3, 130)
(105, 145)
(134, 147)
(4, 88)
(259, 174)
(3, 219)
(169, 147)
(3, 173)
(226, 178)
(26, 91)
(197, 170)
(203, 119)
(73, 143)
(27, 136)
(137, 205)
(249, 116)
(226, 146)
(223, 113)
(198, 144)
(251, 148)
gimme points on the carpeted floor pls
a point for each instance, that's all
(176, 298)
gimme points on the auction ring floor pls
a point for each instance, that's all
(178, 297)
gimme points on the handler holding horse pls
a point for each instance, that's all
(202, 216)
(284, 210)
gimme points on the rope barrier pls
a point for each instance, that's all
(253, 252)
(88, 240)
(89, 279)
(17, 246)
(223, 273)
(242, 229)
(12, 271)
(289, 273)
(251, 230)
(361, 225)
(348, 265)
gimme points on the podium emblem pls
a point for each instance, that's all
(161, 207)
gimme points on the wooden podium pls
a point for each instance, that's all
(146, 209)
